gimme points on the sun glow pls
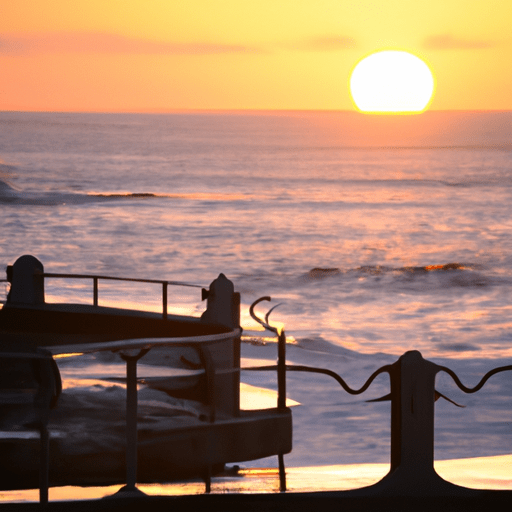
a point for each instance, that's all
(391, 82)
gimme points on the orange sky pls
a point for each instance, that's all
(161, 55)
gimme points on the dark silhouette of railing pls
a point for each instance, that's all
(39, 276)
(30, 379)
(281, 373)
(96, 278)
(412, 396)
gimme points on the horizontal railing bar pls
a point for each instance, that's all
(112, 278)
(183, 341)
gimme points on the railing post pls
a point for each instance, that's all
(131, 423)
(412, 430)
(27, 281)
(164, 299)
(95, 291)
(281, 370)
(281, 398)
(45, 463)
(412, 402)
(131, 420)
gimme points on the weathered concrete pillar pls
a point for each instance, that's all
(222, 303)
(223, 308)
(27, 281)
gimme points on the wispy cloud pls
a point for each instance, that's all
(64, 42)
(324, 44)
(449, 42)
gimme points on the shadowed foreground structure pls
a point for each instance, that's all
(202, 444)
(307, 502)
(411, 484)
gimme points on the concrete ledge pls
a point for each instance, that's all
(294, 502)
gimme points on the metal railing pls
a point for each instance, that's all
(96, 278)
(412, 396)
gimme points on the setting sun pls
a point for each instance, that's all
(391, 82)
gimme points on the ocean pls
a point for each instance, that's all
(376, 234)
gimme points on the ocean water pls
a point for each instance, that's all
(377, 235)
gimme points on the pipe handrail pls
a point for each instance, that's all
(140, 343)
(96, 277)
(115, 278)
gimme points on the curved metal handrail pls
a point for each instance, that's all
(264, 323)
(366, 385)
(412, 399)
(281, 350)
(325, 371)
(483, 380)
(302, 368)
(335, 376)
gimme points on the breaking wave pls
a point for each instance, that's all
(10, 195)
(375, 270)
(422, 278)
(206, 196)
(7, 192)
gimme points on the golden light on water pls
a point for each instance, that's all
(64, 356)
(392, 82)
(476, 473)
(252, 397)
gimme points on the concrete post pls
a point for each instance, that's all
(222, 303)
(223, 308)
(27, 281)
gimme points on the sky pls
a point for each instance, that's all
(166, 55)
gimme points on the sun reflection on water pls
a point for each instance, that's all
(477, 473)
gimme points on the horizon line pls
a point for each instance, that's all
(241, 111)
